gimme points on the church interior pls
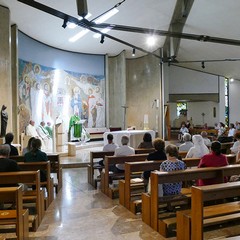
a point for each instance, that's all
(74, 72)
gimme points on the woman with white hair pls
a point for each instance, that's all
(199, 149)
(187, 143)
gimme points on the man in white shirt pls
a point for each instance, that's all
(31, 130)
(124, 150)
(109, 147)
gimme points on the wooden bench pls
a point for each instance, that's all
(56, 168)
(17, 217)
(44, 166)
(27, 177)
(150, 203)
(100, 155)
(199, 216)
(126, 185)
(111, 160)
(95, 165)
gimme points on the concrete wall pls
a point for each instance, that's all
(5, 63)
(143, 88)
(117, 90)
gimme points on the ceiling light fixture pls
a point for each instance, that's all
(102, 39)
(98, 35)
(231, 80)
(73, 25)
(133, 52)
(64, 23)
(151, 41)
(78, 35)
(106, 16)
(203, 65)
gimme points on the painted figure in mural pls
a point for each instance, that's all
(47, 99)
(4, 120)
(36, 108)
(76, 102)
(100, 120)
(26, 88)
(92, 109)
(24, 117)
(75, 127)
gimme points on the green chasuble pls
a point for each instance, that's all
(77, 126)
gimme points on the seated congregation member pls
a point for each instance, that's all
(8, 140)
(236, 146)
(147, 141)
(187, 143)
(36, 155)
(221, 129)
(206, 140)
(199, 149)
(109, 147)
(182, 131)
(29, 146)
(213, 159)
(232, 130)
(123, 150)
(158, 154)
(172, 164)
(6, 164)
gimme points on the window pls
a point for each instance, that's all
(181, 109)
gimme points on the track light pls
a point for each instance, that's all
(64, 23)
(133, 52)
(102, 39)
(203, 65)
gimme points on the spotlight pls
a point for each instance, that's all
(102, 39)
(133, 52)
(203, 65)
(64, 23)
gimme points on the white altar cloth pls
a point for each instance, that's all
(135, 136)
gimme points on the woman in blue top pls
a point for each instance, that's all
(172, 164)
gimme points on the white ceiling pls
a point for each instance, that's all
(216, 18)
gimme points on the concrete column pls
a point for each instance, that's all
(5, 63)
(15, 99)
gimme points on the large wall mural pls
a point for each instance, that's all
(46, 94)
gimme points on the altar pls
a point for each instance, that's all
(135, 136)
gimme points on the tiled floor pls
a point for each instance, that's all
(80, 212)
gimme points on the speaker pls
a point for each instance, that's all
(82, 8)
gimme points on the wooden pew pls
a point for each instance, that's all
(45, 166)
(100, 155)
(125, 185)
(150, 203)
(27, 177)
(199, 216)
(17, 217)
(95, 165)
(55, 167)
(110, 160)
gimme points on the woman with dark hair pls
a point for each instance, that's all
(147, 141)
(158, 154)
(29, 146)
(36, 155)
(213, 159)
